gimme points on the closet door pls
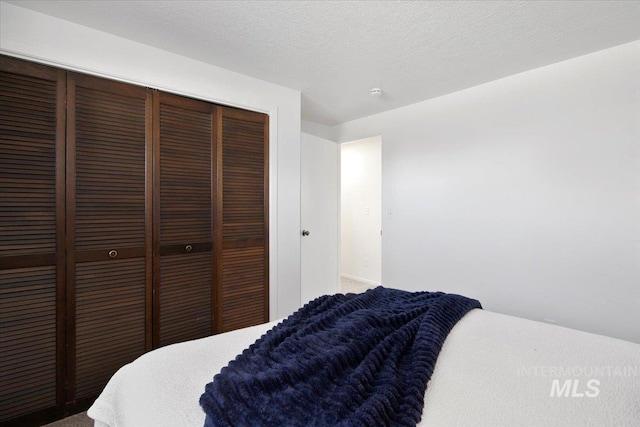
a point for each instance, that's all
(242, 206)
(32, 238)
(108, 230)
(184, 217)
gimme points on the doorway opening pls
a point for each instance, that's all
(361, 214)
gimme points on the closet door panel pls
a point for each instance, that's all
(185, 173)
(28, 340)
(243, 287)
(243, 171)
(110, 319)
(184, 218)
(109, 262)
(110, 170)
(31, 246)
(243, 223)
(28, 125)
(185, 305)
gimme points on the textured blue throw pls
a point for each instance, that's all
(341, 360)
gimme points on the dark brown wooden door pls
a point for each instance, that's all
(31, 237)
(129, 219)
(184, 218)
(243, 218)
(108, 230)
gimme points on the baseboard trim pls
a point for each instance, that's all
(360, 279)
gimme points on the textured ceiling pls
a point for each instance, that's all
(334, 52)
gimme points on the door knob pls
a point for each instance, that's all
(305, 232)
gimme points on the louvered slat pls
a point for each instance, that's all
(243, 290)
(27, 340)
(110, 320)
(243, 166)
(27, 164)
(185, 172)
(110, 169)
(243, 264)
(185, 175)
(186, 291)
(30, 96)
(107, 176)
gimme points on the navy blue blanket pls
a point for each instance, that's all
(341, 360)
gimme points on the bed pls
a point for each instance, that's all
(493, 370)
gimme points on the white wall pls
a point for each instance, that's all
(316, 129)
(361, 210)
(523, 193)
(38, 37)
(320, 192)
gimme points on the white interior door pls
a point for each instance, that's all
(320, 186)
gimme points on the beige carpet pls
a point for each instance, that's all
(353, 286)
(78, 420)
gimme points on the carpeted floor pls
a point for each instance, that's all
(353, 286)
(78, 420)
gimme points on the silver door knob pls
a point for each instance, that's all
(305, 232)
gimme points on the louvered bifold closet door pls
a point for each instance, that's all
(31, 237)
(184, 218)
(108, 227)
(243, 194)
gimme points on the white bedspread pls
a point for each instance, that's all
(494, 370)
